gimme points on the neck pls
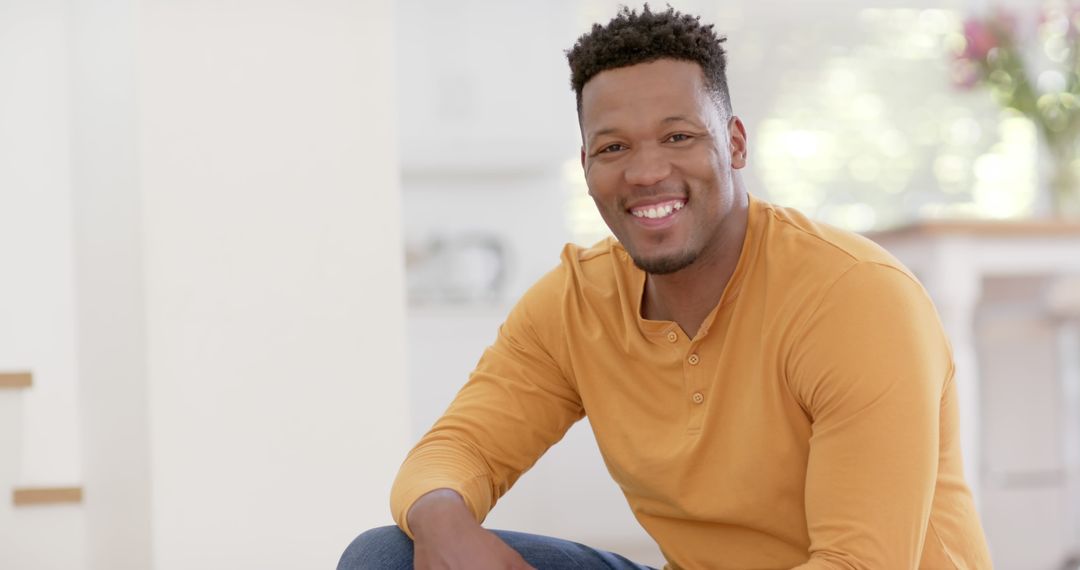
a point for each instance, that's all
(688, 296)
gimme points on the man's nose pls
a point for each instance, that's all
(647, 166)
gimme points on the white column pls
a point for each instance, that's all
(274, 278)
(109, 284)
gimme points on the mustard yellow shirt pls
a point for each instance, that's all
(811, 422)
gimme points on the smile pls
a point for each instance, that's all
(658, 211)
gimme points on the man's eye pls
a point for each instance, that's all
(679, 137)
(616, 147)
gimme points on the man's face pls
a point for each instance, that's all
(659, 156)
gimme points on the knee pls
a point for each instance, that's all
(379, 548)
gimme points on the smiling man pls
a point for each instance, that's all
(767, 391)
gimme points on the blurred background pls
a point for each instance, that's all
(249, 251)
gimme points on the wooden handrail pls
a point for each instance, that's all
(993, 228)
(26, 496)
(16, 379)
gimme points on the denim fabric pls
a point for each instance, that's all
(387, 548)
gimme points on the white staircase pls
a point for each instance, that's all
(33, 536)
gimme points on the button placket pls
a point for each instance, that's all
(695, 393)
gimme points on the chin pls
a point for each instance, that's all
(664, 264)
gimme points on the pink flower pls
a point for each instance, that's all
(980, 39)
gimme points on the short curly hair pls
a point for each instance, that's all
(631, 38)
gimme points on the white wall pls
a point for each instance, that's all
(274, 286)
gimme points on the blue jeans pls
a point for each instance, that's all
(387, 548)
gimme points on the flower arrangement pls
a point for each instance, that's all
(995, 54)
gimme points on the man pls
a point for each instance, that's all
(767, 391)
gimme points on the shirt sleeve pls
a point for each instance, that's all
(869, 368)
(516, 404)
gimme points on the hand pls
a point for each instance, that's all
(474, 548)
(446, 536)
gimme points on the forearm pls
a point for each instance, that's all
(438, 509)
(447, 536)
(432, 471)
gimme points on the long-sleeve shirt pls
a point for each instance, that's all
(810, 422)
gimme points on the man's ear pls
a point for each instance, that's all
(582, 157)
(737, 142)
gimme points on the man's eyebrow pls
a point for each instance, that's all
(610, 130)
(676, 119)
(605, 131)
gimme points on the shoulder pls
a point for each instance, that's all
(596, 262)
(817, 249)
(600, 269)
(824, 282)
(803, 263)
(582, 273)
(584, 283)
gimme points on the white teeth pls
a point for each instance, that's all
(659, 212)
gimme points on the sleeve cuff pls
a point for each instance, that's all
(476, 492)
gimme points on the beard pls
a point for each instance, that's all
(664, 265)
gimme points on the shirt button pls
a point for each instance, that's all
(672, 336)
(693, 360)
(698, 397)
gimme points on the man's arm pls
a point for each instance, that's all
(517, 403)
(447, 536)
(870, 366)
